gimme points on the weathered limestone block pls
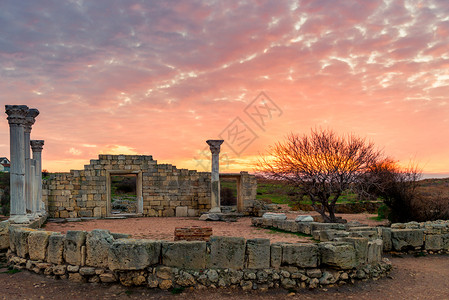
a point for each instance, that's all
(300, 255)
(305, 227)
(327, 226)
(361, 248)
(369, 234)
(18, 237)
(131, 254)
(4, 235)
(37, 244)
(331, 234)
(55, 249)
(267, 222)
(306, 218)
(98, 242)
(73, 243)
(434, 242)
(276, 255)
(227, 252)
(182, 211)
(278, 216)
(375, 249)
(386, 238)
(258, 253)
(403, 238)
(184, 254)
(338, 254)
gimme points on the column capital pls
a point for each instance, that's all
(214, 145)
(16, 114)
(37, 145)
(30, 119)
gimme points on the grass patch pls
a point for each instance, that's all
(11, 270)
(377, 218)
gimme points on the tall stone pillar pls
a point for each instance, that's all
(215, 175)
(16, 119)
(36, 146)
(29, 176)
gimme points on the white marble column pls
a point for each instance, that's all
(215, 175)
(16, 119)
(29, 175)
(36, 146)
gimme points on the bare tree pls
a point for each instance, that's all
(322, 166)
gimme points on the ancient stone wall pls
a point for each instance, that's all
(101, 256)
(163, 189)
(432, 237)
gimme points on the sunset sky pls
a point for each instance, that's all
(162, 77)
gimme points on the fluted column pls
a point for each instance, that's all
(16, 119)
(215, 175)
(36, 146)
(29, 175)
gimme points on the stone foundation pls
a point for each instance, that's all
(101, 256)
(432, 237)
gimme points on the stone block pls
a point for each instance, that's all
(277, 216)
(300, 255)
(131, 254)
(369, 234)
(338, 255)
(55, 249)
(73, 243)
(375, 249)
(361, 248)
(97, 212)
(406, 238)
(386, 238)
(327, 226)
(181, 211)
(305, 227)
(4, 235)
(258, 253)
(18, 238)
(267, 222)
(306, 218)
(192, 212)
(276, 255)
(37, 244)
(184, 254)
(434, 242)
(227, 252)
(98, 242)
(331, 234)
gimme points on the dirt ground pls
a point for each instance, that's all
(163, 228)
(411, 278)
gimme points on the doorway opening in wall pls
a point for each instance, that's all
(124, 193)
(228, 194)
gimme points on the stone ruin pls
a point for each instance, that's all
(26, 172)
(162, 189)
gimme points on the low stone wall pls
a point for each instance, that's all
(101, 256)
(432, 237)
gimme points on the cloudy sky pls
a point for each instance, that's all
(162, 77)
